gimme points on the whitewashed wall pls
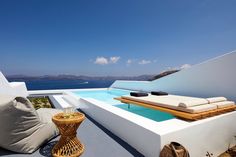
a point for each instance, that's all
(213, 135)
(215, 77)
(134, 85)
(5, 87)
(122, 124)
(13, 88)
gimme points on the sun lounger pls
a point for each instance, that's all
(198, 109)
(173, 102)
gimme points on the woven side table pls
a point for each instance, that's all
(68, 145)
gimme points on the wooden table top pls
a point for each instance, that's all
(75, 117)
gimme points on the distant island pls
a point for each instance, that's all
(165, 73)
(82, 77)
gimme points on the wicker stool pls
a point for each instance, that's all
(68, 145)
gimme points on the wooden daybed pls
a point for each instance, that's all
(177, 113)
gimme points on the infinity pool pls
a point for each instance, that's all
(103, 95)
(108, 96)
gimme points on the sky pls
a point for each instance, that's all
(112, 37)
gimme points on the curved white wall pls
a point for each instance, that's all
(215, 77)
(133, 85)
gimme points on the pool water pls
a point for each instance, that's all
(146, 112)
(103, 95)
(108, 96)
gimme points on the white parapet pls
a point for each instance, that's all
(19, 88)
(131, 85)
(133, 129)
(214, 135)
(13, 88)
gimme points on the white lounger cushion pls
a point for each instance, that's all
(216, 99)
(193, 102)
(198, 109)
(164, 101)
(224, 104)
(172, 102)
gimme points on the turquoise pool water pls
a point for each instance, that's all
(109, 95)
(146, 112)
(103, 95)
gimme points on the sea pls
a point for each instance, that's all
(65, 84)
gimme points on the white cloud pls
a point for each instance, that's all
(129, 61)
(101, 61)
(142, 62)
(114, 59)
(185, 66)
(105, 61)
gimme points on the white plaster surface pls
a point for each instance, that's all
(59, 99)
(213, 135)
(144, 140)
(13, 88)
(133, 129)
(215, 77)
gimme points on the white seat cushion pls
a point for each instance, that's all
(198, 109)
(193, 102)
(216, 99)
(224, 104)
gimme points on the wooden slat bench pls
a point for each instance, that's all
(180, 114)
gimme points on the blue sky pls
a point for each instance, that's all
(112, 37)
